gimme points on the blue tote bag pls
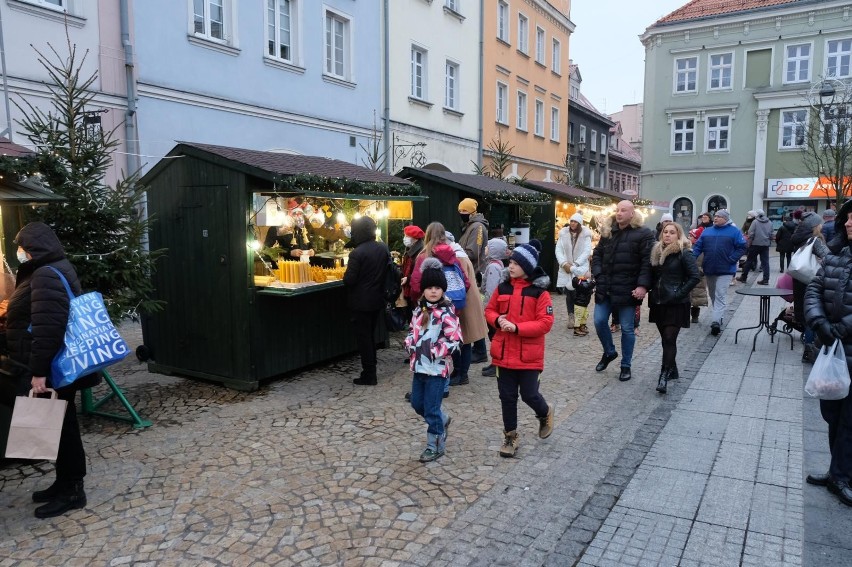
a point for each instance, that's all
(91, 340)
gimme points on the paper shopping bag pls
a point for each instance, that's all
(36, 427)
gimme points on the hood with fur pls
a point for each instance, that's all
(660, 251)
(607, 223)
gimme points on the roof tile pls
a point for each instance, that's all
(707, 8)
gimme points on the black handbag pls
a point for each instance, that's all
(395, 319)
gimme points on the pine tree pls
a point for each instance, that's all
(101, 227)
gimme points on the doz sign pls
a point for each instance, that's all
(800, 188)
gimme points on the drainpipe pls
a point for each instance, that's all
(386, 72)
(481, 73)
(130, 131)
(8, 130)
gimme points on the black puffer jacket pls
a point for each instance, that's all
(675, 273)
(784, 236)
(38, 309)
(365, 270)
(622, 261)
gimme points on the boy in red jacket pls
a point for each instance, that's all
(522, 312)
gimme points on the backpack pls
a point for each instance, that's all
(456, 291)
(393, 281)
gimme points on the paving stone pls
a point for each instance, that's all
(723, 502)
(682, 494)
(713, 545)
(736, 460)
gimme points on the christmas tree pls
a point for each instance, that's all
(102, 228)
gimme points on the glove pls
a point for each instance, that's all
(824, 332)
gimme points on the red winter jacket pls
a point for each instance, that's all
(527, 304)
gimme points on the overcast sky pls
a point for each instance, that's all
(606, 46)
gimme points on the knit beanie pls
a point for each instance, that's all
(467, 206)
(526, 256)
(577, 217)
(811, 220)
(535, 244)
(724, 214)
(667, 217)
(433, 275)
(497, 249)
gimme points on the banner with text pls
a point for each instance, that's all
(800, 188)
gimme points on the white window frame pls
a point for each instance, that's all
(843, 52)
(556, 61)
(845, 122)
(540, 42)
(539, 117)
(593, 142)
(683, 131)
(713, 130)
(228, 23)
(720, 68)
(503, 16)
(797, 61)
(293, 20)
(454, 5)
(604, 144)
(582, 139)
(502, 103)
(419, 68)
(591, 175)
(791, 127)
(687, 71)
(58, 5)
(554, 123)
(451, 85)
(523, 111)
(523, 33)
(330, 61)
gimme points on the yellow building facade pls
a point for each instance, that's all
(525, 85)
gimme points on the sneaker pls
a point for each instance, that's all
(581, 331)
(459, 381)
(763, 282)
(430, 454)
(545, 424)
(510, 444)
(489, 370)
(408, 396)
(742, 279)
(715, 328)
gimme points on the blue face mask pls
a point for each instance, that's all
(22, 256)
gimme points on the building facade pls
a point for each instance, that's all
(726, 90)
(625, 164)
(630, 118)
(433, 84)
(588, 137)
(525, 84)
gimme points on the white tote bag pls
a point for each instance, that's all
(804, 264)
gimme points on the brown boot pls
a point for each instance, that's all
(510, 444)
(545, 425)
(581, 331)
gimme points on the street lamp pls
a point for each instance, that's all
(836, 137)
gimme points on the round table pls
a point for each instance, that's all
(765, 294)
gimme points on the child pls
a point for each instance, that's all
(522, 312)
(433, 337)
(583, 288)
(496, 251)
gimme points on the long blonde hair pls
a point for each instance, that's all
(682, 241)
(435, 234)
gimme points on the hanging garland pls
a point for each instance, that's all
(343, 186)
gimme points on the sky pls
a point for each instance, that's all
(606, 46)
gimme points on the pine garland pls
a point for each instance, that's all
(303, 183)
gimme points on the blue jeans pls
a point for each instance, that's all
(603, 310)
(427, 392)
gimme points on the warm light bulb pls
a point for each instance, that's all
(341, 218)
(356, 216)
(254, 245)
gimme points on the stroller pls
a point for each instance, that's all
(787, 316)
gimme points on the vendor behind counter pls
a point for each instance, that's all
(293, 239)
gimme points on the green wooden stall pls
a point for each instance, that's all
(217, 324)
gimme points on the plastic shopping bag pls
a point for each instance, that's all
(804, 264)
(829, 378)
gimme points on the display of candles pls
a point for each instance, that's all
(294, 272)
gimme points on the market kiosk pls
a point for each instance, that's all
(241, 307)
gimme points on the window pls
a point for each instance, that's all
(591, 176)
(683, 135)
(686, 75)
(793, 128)
(836, 125)
(523, 34)
(451, 86)
(208, 18)
(453, 5)
(539, 45)
(554, 123)
(582, 134)
(418, 73)
(718, 130)
(503, 21)
(721, 70)
(539, 117)
(556, 67)
(279, 29)
(522, 111)
(839, 54)
(571, 133)
(593, 142)
(337, 47)
(797, 66)
(603, 144)
(502, 110)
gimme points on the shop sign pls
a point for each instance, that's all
(800, 188)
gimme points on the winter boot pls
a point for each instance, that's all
(674, 373)
(581, 331)
(571, 321)
(48, 493)
(434, 448)
(695, 311)
(510, 444)
(69, 497)
(545, 424)
(662, 382)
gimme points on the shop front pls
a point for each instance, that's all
(785, 195)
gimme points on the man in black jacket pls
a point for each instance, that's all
(621, 266)
(365, 286)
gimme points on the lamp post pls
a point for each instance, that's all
(837, 140)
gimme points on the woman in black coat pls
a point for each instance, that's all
(35, 330)
(675, 273)
(809, 227)
(828, 310)
(784, 241)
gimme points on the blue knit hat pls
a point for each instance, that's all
(526, 257)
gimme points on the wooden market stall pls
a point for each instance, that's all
(229, 317)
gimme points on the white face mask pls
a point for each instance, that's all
(22, 256)
(408, 241)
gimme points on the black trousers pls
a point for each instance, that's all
(838, 415)
(365, 335)
(512, 382)
(570, 297)
(751, 261)
(781, 257)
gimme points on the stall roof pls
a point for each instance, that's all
(562, 190)
(9, 148)
(273, 165)
(26, 193)
(493, 189)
